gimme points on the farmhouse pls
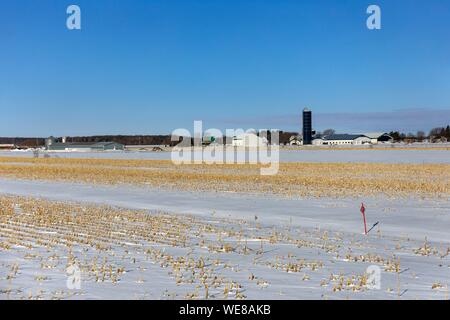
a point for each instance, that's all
(295, 140)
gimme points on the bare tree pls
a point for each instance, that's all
(328, 132)
(436, 132)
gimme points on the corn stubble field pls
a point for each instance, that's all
(293, 179)
(155, 254)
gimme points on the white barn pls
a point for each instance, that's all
(341, 140)
(248, 140)
(376, 137)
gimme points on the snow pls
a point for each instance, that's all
(314, 223)
(424, 217)
(335, 155)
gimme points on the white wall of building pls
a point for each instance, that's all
(317, 142)
(357, 141)
(248, 140)
(362, 140)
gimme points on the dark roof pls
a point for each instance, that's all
(377, 135)
(342, 136)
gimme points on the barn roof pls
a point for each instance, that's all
(343, 136)
(375, 135)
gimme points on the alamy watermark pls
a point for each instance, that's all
(373, 273)
(374, 20)
(73, 21)
(73, 281)
(236, 146)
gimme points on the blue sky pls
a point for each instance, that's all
(147, 67)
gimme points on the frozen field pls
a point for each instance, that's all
(227, 245)
(410, 218)
(133, 229)
(335, 155)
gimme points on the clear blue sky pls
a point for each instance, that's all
(146, 67)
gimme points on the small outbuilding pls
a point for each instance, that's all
(377, 137)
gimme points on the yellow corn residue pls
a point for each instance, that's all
(293, 179)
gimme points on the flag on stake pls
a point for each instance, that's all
(363, 211)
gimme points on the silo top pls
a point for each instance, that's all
(306, 110)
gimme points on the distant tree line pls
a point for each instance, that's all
(25, 142)
(125, 139)
(435, 135)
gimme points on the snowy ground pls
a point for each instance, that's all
(286, 248)
(232, 245)
(411, 218)
(335, 155)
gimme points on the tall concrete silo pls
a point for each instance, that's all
(307, 126)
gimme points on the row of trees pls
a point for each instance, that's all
(23, 142)
(435, 134)
(125, 139)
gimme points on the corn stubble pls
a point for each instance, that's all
(212, 258)
(293, 179)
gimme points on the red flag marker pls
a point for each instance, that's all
(363, 210)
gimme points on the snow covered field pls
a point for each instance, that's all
(413, 218)
(152, 230)
(335, 155)
(264, 247)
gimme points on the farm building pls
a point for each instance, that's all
(376, 137)
(7, 146)
(248, 140)
(83, 146)
(295, 140)
(342, 139)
